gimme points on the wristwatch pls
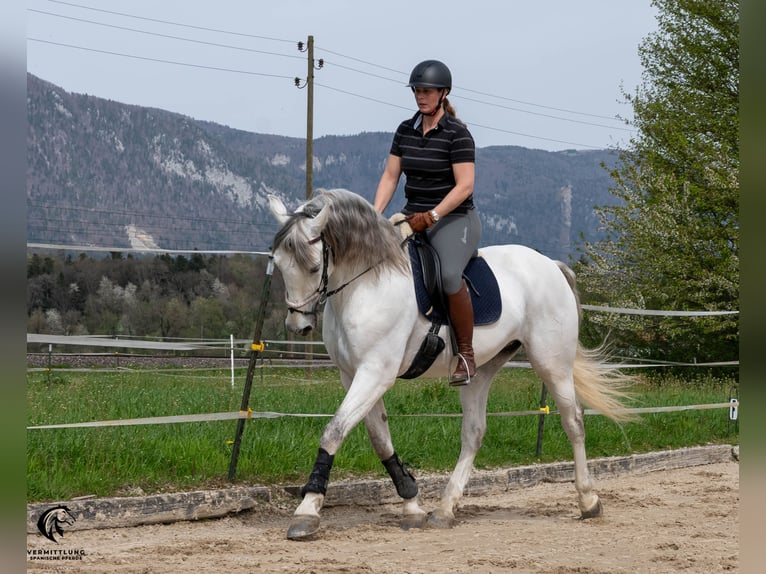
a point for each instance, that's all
(434, 215)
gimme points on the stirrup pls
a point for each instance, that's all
(460, 382)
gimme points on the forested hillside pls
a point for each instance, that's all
(108, 174)
(200, 297)
(103, 174)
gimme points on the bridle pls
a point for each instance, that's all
(321, 293)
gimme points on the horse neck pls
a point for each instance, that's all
(363, 279)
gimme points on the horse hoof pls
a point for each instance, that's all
(594, 512)
(440, 519)
(413, 521)
(302, 527)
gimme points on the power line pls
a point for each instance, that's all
(496, 129)
(335, 64)
(542, 114)
(170, 22)
(539, 105)
(361, 61)
(136, 213)
(231, 70)
(468, 123)
(216, 30)
(463, 88)
(160, 60)
(361, 96)
(168, 36)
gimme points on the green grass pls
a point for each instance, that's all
(110, 461)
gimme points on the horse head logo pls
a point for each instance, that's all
(52, 520)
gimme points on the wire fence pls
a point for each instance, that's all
(274, 354)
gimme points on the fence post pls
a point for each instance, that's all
(50, 362)
(541, 423)
(255, 348)
(231, 340)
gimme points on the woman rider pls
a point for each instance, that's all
(436, 152)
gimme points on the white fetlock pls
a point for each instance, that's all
(412, 515)
(310, 505)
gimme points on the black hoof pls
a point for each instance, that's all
(595, 512)
(413, 521)
(439, 519)
(303, 527)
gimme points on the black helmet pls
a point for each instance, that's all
(431, 74)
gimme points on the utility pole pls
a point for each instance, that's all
(310, 119)
(309, 85)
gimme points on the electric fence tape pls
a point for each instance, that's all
(206, 417)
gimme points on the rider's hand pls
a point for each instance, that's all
(420, 221)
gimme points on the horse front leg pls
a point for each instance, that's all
(413, 516)
(364, 392)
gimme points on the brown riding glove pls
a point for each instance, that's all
(420, 221)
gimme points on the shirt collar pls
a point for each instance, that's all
(417, 119)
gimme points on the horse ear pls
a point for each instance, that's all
(278, 209)
(315, 225)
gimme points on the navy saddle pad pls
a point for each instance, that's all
(482, 284)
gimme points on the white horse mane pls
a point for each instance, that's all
(357, 234)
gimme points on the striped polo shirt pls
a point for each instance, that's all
(427, 160)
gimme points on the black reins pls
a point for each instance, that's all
(321, 294)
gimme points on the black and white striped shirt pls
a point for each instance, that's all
(427, 160)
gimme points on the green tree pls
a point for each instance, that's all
(672, 241)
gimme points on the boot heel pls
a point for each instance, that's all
(462, 376)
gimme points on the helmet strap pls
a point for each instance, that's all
(439, 105)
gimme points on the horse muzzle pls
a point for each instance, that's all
(300, 322)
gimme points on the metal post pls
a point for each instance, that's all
(50, 362)
(541, 423)
(255, 349)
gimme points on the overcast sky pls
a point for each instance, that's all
(545, 74)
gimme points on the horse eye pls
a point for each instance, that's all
(314, 269)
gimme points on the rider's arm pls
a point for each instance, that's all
(464, 177)
(388, 182)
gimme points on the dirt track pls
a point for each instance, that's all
(683, 520)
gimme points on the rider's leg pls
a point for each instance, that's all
(461, 315)
(455, 238)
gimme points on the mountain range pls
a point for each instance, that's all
(102, 173)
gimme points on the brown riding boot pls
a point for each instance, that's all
(461, 315)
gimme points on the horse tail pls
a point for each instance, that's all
(571, 278)
(602, 388)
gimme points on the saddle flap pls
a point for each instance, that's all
(426, 272)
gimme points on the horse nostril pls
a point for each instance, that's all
(306, 330)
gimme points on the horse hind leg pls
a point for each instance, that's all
(563, 393)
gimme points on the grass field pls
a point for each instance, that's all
(112, 461)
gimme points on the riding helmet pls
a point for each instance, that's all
(431, 74)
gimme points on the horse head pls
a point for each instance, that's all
(302, 257)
